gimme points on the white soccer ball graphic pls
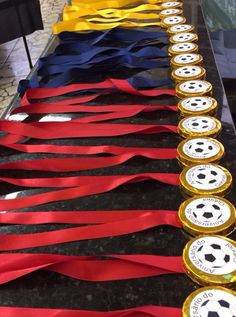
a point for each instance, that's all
(200, 124)
(207, 213)
(217, 308)
(202, 148)
(212, 255)
(198, 102)
(206, 176)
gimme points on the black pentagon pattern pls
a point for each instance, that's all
(207, 215)
(215, 246)
(210, 258)
(223, 303)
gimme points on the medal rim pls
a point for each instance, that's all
(165, 25)
(179, 5)
(175, 65)
(187, 160)
(182, 94)
(184, 133)
(178, 78)
(225, 229)
(171, 52)
(200, 277)
(170, 32)
(194, 39)
(209, 111)
(192, 191)
(188, 301)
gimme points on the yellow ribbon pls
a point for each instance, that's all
(97, 4)
(78, 25)
(74, 12)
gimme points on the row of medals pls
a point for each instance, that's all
(209, 258)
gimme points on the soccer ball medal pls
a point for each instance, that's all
(211, 301)
(210, 260)
(199, 150)
(201, 105)
(207, 214)
(209, 179)
(199, 126)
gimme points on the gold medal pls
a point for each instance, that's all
(209, 179)
(170, 12)
(172, 20)
(193, 88)
(210, 260)
(183, 37)
(215, 301)
(199, 150)
(188, 72)
(199, 126)
(202, 105)
(180, 28)
(186, 59)
(171, 5)
(182, 48)
(207, 214)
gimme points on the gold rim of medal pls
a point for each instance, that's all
(209, 258)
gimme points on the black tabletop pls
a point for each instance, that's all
(48, 289)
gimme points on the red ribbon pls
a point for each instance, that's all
(113, 110)
(58, 130)
(89, 268)
(143, 311)
(108, 85)
(81, 164)
(88, 185)
(152, 153)
(106, 224)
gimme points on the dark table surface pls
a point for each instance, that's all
(47, 289)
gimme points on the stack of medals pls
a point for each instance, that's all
(209, 258)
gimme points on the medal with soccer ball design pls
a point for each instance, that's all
(188, 72)
(172, 5)
(207, 215)
(172, 20)
(186, 59)
(170, 12)
(211, 301)
(183, 37)
(196, 126)
(181, 48)
(201, 179)
(201, 105)
(210, 260)
(193, 88)
(199, 150)
(180, 28)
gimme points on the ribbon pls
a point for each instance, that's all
(71, 129)
(112, 36)
(80, 24)
(82, 164)
(74, 12)
(111, 111)
(108, 4)
(110, 84)
(88, 185)
(152, 153)
(114, 223)
(143, 311)
(89, 268)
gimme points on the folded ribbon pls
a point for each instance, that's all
(105, 224)
(144, 311)
(88, 185)
(89, 268)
